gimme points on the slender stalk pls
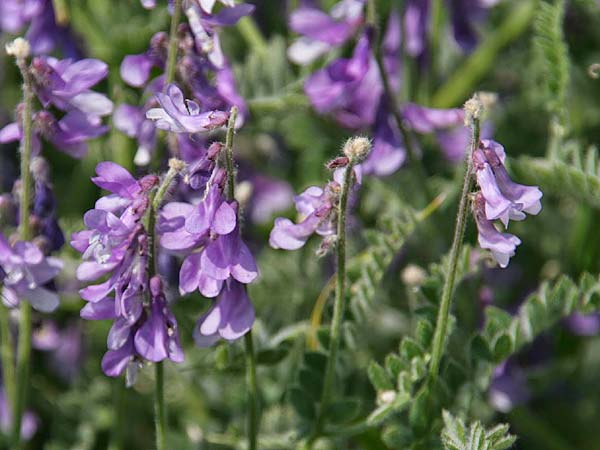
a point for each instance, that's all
(172, 55)
(7, 355)
(24, 340)
(252, 35)
(435, 37)
(441, 327)
(160, 415)
(338, 307)
(248, 342)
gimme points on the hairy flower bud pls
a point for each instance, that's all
(473, 110)
(19, 48)
(357, 148)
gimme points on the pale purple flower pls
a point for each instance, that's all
(501, 245)
(504, 199)
(508, 387)
(316, 207)
(583, 324)
(29, 424)
(27, 271)
(268, 196)
(182, 116)
(321, 32)
(427, 120)
(132, 121)
(230, 317)
(416, 25)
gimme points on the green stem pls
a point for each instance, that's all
(441, 327)
(436, 23)
(484, 58)
(338, 307)
(156, 200)
(251, 378)
(159, 408)
(24, 340)
(172, 55)
(252, 391)
(8, 355)
(251, 34)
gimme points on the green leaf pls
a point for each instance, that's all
(316, 361)
(503, 347)
(343, 411)
(311, 382)
(302, 403)
(397, 436)
(560, 178)
(379, 378)
(424, 333)
(272, 356)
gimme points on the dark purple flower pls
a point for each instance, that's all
(135, 69)
(389, 152)
(182, 116)
(66, 84)
(27, 271)
(349, 89)
(230, 317)
(508, 387)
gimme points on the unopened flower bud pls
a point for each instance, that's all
(413, 275)
(357, 148)
(340, 161)
(40, 169)
(148, 182)
(473, 110)
(8, 210)
(19, 48)
(594, 71)
(176, 164)
(386, 397)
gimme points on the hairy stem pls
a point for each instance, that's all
(7, 355)
(251, 379)
(338, 307)
(441, 327)
(172, 55)
(24, 340)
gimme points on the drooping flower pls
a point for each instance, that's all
(116, 244)
(501, 245)
(504, 199)
(29, 424)
(26, 272)
(230, 317)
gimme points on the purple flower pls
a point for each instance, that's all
(504, 199)
(416, 21)
(322, 32)
(268, 196)
(182, 116)
(66, 84)
(26, 271)
(388, 152)
(583, 324)
(349, 89)
(502, 245)
(135, 69)
(29, 423)
(508, 387)
(230, 317)
(316, 207)
(157, 338)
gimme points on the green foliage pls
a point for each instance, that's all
(366, 270)
(504, 334)
(580, 181)
(457, 436)
(551, 56)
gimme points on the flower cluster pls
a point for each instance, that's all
(25, 273)
(201, 67)
(499, 198)
(116, 244)
(65, 85)
(217, 262)
(352, 89)
(44, 33)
